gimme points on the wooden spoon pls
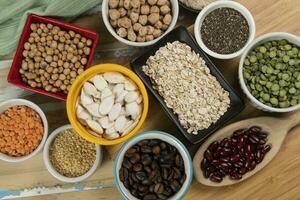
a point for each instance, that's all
(277, 129)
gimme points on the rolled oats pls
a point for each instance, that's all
(184, 81)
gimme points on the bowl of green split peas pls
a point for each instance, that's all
(269, 72)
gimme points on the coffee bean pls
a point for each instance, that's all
(159, 188)
(156, 149)
(150, 197)
(135, 158)
(146, 159)
(153, 169)
(146, 149)
(152, 143)
(137, 167)
(130, 151)
(146, 182)
(147, 169)
(142, 188)
(141, 176)
(126, 164)
(162, 197)
(179, 161)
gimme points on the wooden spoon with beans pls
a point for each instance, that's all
(277, 129)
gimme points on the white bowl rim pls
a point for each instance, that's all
(36, 108)
(175, 13)
(255, 43)
(155, 134)
(235, 5)
(52, 170)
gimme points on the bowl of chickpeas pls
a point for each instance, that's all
(139, 22)
(50, 55)
(23, 130)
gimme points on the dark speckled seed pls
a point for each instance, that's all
(225, 31)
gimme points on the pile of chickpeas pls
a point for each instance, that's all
(140, 20)
(53, 58)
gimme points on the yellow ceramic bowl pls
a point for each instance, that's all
(75, 91)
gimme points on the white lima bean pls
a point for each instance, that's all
(110, 105)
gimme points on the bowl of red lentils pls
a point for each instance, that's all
(23, 130)
(69, 157)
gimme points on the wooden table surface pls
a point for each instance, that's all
(280, 180)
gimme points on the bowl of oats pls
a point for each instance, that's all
(189, 87)
(70, 158)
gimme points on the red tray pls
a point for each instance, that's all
(14, 76)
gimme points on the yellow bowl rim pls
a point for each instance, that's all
(74, 92)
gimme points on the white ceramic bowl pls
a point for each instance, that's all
(105, 17)
(258, 41)
(220, 4)
(22, 102)
(164, 137)
(53, 171)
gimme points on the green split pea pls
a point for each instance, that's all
(272, 73)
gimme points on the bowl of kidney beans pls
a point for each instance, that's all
(236, 155)
(153, 165)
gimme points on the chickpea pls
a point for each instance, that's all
(143, 31)
(86, 51)
(153, 18)
(162, 2)
(80, 45)
(140, 38)
(55, 58)
(54, 77)
(122, 12)
(67, 71)
(80, 70)
(122, 32)
(135, 3)
(83, 61)
(167, 19)
(73, 74)
(131, 35)
(63, 87)
(77, 65)
(113, 3)
(152, 2)
(55, 71)
(114, 14)
(88, 42)
(154, 9)
(145, 9)
(33, 27)
(143, 19)
(60, 70)
(137, 26)
(134, 17)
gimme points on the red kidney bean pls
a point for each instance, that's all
(255, 129)
(216, 178)
(208, 155)
(267, 148)
(213, 146)
(236, 155)
(224, 141)
(225, 159)
(204, 164)
(235, 158)
(254, 139)
(238, 132)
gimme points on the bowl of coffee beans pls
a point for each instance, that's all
(269, 72)
(223, 29)
(153, 165)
